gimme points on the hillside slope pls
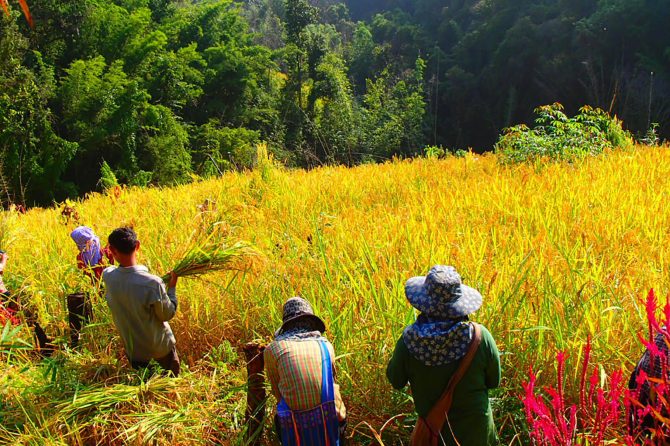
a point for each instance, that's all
(560, 252)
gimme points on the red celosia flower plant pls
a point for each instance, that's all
(648, 403)
(597, 417)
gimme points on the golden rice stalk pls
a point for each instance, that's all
(211, 250)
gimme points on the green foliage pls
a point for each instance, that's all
(393, 114)
(559, 138)
(217, 149)
(223, 356)
(651, 136)
(161, 89)
(361, 56)
(439, 152)
(102, 108)
(107, 178)
(166, 146)
(32, 156)
(335, 116)
(490, 63)
(10, 340)
(435, 152)
(299, 14)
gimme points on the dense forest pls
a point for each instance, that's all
(161, 91)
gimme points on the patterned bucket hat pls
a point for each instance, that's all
(441, 294)
(297, 308)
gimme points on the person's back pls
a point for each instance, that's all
(140, 305)
(140, 311)
(646, 385)
(470, 406)
(296, 367)
(299, 365)
(431, 350)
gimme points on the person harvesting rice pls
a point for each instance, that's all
(449, 362)
(92, 257)
(8, 308)
(649, 392)
(141, 305)
(299, 364)
(10, 305)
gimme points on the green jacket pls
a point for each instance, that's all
(470, 416)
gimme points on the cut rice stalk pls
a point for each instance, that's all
(211, 253)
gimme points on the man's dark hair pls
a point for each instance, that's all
(123, 240)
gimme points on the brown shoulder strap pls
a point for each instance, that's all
(437, 415)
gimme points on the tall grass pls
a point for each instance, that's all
(560, 252)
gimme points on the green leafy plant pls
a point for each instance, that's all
(107, 177)
(651, 137)
(558, 137)
(434, 152)
(10, 339)
(223, 355)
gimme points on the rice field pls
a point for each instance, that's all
(559, 251)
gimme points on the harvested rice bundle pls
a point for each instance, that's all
(210, 250)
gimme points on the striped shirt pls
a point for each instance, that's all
(293, 368)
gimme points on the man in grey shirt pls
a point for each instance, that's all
(140, 305)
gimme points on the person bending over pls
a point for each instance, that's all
(646, 385)
(10, 305)
(140, 305)
(92, 257)
(299, 364)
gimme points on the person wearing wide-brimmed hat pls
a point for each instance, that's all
(299, 364)
(442, 344)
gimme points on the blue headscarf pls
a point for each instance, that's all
(88, 244)
(436, 342)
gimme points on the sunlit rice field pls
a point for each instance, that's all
(559, 251)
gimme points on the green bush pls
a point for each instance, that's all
(217, 149)
(559, 138)
(440, 152)
(434, 152)
(107, 177)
